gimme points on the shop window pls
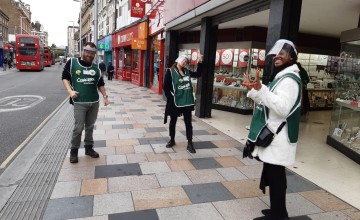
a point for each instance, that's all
(128, 60)
(135, 64)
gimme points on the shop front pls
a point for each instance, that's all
(129, 46)
(157, 39)
(104, 49)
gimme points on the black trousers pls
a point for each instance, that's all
(274, 176)
(188, 125)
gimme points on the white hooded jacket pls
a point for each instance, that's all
(279, 103)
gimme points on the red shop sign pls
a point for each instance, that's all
(227, 56)
(137, 9)
(194, 57)
(243, 57)
(217, 57)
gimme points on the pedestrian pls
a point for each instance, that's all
(83, 81)
(5, 61)
(110, 71)
(180, 98)
(102, 67)
(277, 104)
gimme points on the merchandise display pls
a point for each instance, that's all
(344, 133)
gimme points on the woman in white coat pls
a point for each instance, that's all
(276, 103)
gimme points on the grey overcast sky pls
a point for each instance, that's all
(55, 16)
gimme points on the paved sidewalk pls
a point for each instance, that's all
(136, 177)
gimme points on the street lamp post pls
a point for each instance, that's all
(21, 28)
(80, 35)
(73, 39)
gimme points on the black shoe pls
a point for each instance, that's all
(266, 211)
(74, 155)
(170, 144)
(190, 147)
(90, 151)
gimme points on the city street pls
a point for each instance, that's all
(27, 99)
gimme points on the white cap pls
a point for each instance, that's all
(181, 58)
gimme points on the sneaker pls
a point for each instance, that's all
(90, 152)
(190, 148)
(170, 144)
(74, 155)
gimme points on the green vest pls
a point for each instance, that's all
(84, 80)
(293, 120)
(183, 90)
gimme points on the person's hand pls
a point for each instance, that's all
(256, 84)
(73, 94)
(106, 101)
(200, 58)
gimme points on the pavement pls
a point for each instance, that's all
(137, 177)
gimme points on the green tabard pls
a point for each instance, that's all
(84, 80)
(260, 114)
(183, 90)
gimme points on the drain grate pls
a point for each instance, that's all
(30, 198)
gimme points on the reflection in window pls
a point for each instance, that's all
(135, 66)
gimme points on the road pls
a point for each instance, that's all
(26, 100)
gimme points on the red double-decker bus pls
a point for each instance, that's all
(47, 56)
(52, 58)
(29, 52)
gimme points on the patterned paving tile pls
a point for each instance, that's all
(146, 214)
(117, 170)
(115, 159)
(204, 153)
(205, 163)
(227, 143)
(136, 158)
(244, 188)
(157, 117)
(209, 192)
(204, 211)
(204, 145)
(353, 213)
(297, 205)
(157, 157)
(180, 155)
(120, 143)
(66, 189)
(113, 203)
(231, 173)
(132, 183)
(93, 187)
(160, 198)
(157, 140)
(228, 152)
(241, 209)
(296, 183)
(330, 215)
(68, 208)
(173, 179)
(252, 172)
(123, 126)
(228, 161)
(76, 174)
(97, 143)
(325, 200)
(196, 132)
(160, 148)
(156, 129)
(154, 167)
(204, 176)
(143, 148)
(105, 119)
(126, 149)
(180, 165)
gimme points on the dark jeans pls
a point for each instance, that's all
(188, 125)
(110, 76)
(274, 176)
(85, 115)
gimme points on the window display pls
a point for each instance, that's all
(344, 133)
